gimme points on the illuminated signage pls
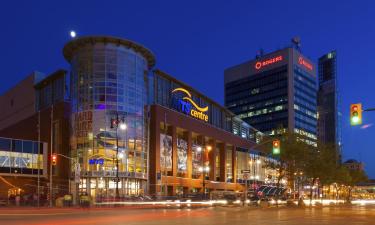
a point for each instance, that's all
(189, 107)
(306, 64)
(96, 161)
(261, 64)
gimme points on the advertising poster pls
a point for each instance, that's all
(165, 152)
(181, 155)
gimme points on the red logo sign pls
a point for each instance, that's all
(306, 64)
(259, 65)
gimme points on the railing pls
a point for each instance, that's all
(112, 174)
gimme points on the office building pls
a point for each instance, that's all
(329, 117)
(275, 93)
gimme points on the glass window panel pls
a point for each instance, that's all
(5, 144)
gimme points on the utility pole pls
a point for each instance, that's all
(38, 160)
(115, 123)
(117, 178)
(50, 164)
(165, 156)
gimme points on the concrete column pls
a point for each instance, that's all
(234, 164)
(212, 159)
(223, 163)
(174, 157)
(189, 154)
(154, 154)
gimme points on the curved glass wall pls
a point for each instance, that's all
(109, 80)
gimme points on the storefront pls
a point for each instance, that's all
(21, 162)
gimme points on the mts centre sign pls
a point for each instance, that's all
(183, 102)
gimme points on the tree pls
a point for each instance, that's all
(342, 178)
(356, 176)
(320, 165)
(291, 157)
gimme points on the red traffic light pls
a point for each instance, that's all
(54, 159)
(276, 147)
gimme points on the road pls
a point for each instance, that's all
(220, 215)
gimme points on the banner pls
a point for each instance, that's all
(165, 152)
(181, 155)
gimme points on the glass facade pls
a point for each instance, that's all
(218, 116)
(109, 81)
(254, 162)
(21, 157)
(261, 100)
(305, 95)
(277, 99)
(52, 91)
(328, 101)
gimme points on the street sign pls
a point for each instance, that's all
(116, 179)
(245, 171)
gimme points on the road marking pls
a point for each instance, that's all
(34, 214)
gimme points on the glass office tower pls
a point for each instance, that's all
(329, 125)
(109, 81)
(275, 93)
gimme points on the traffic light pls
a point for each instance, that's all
(54, 159)
(276, 147)
(113, 123)
(355, 114)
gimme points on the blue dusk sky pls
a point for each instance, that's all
(196, 40)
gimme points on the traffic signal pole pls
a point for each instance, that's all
(356, 113)
(50, 163)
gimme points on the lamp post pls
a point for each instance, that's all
(115, 124)
(75, 161)
(298, 176)
(204, 170)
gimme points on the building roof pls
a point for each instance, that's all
(351, 161)
(71, 47)
(53, 76)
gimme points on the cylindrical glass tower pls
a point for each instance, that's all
(109, 82)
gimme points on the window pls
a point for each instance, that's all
(5, 144)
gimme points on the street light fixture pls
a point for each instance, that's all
(115, 124)
(73, 34)
(123, 126)
(204, 170)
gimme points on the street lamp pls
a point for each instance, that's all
(73, 34)
(298, 176)
(115, 124)
(204, 170)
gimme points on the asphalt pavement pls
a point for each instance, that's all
(343, 215)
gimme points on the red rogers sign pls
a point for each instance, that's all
(260, 64)
(306, 64)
